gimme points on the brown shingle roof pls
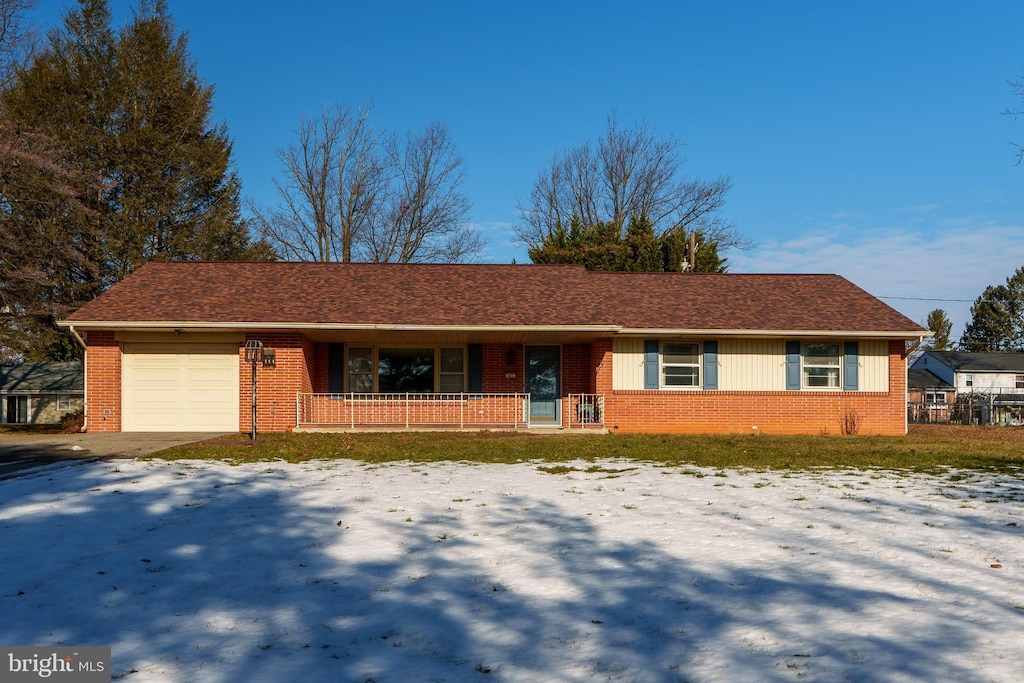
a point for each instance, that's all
(486, 296)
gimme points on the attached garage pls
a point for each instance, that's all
(179, 387)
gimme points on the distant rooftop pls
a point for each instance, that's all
(981, 361)
(42, 378)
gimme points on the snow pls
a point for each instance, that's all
(347, 571)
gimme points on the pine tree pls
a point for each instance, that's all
(991, 325)
(145, 174)
(941, 328)
(176, 194)
(600, 247)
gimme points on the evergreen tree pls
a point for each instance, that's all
(600, 247)
(644, 250)
(175, 195)
(129, 168)
(941, 328)
(997, 318)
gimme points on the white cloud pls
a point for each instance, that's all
(955, 260)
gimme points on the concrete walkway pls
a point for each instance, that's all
(21, 452)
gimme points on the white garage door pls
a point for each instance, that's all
(179, 387)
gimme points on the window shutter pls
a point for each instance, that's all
(651, 364)
(335, 368)
(476, 368)
(711, 365)
(792, 365)
(850, 358)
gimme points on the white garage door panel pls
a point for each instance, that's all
(167, 387)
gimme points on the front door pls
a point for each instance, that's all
(543, 382)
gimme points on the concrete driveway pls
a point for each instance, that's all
(23, 452)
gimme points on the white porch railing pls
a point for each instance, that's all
(585, 410)
(412, 411)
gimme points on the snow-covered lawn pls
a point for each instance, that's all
(345, 571)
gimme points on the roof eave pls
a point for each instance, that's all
(607, 329)
(872, 334)
(193, 325)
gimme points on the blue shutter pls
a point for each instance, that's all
(792, 365)
(651, 364)
(850, 350)
(711, 365)
(476, 368)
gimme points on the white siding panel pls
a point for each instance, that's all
(874, 365)
(186, 387)
(752, 365)
(627, 364)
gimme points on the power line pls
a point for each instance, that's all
(919, 298)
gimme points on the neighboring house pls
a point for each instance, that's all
(40, 393)
(989, 386)
(929, 397)
(487, 346)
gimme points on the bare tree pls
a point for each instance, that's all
(17, 38)
(425, 215)
(334, 184)
(1018, 87)
(629, 172)
(350, 193)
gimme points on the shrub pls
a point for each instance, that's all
(72, 423)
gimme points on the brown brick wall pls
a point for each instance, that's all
(576, 375)
(496, 369)
(601, 366)
(276, 387)
(102, 382)
(320, 368)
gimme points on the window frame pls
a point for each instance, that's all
(1018, 382)
(64, 402)
(838, 366)
(697, 365)
(441, 373)
(935, 397)
(374, 371)
(22, 409)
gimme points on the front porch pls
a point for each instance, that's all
(423, 411)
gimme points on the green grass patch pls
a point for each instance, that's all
(926, 448)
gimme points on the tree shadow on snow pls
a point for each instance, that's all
(213, 573)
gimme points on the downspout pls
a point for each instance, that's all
(85, 377)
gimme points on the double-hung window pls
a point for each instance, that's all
(360, 369)
(821, 365)
(452, 374)
(936, 397)
(680, 364)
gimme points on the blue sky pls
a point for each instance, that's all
(865, 139)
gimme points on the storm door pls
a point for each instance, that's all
(543, 383)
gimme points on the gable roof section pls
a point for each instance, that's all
(42, 378)
(925, 379)
(182, 294)
(977, 361)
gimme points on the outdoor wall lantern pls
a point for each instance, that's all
(254, 356)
